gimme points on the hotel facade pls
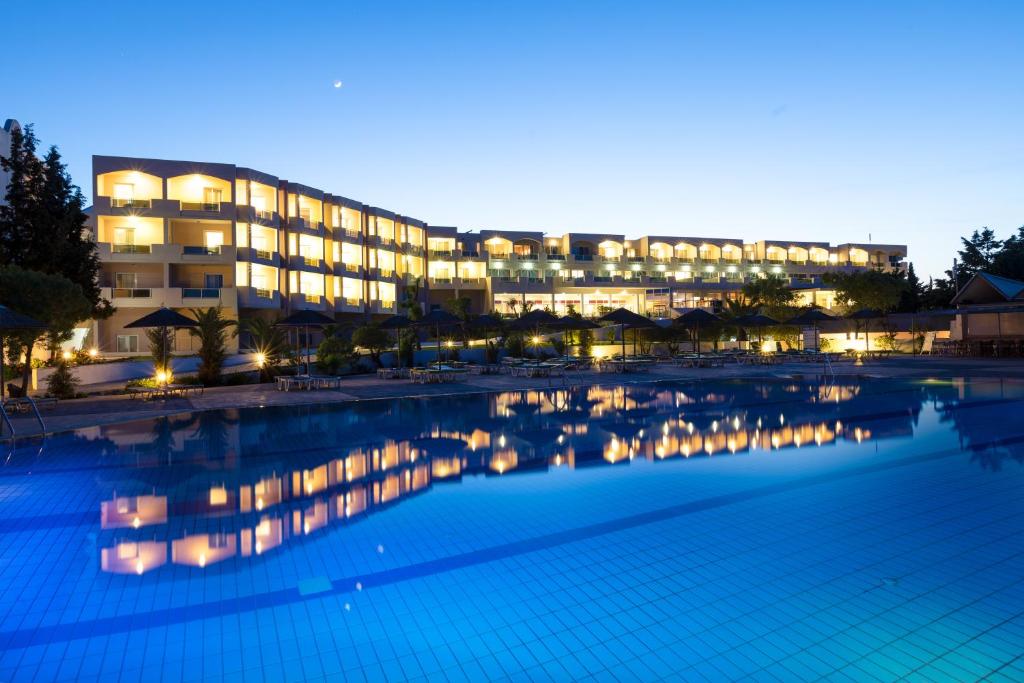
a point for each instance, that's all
(187, 234)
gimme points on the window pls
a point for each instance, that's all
(213, 240)
(213, 280)
(259, 202)
(211, 195)
(126, 280)
(127, 343)
(124, 191)
(124, 236)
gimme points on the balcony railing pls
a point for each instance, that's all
(123, 203)
(310, 261)
(385, 272)
(352, 267)
(385, 241)
(442, 280)
(527, 257)
(200, 206)
(264, 254)
(551, 256)
(441, 253)
(265, 215)
(131, 293)
(131, 249)
(351, 301)
(611, 259)
(264, 293)
(635, 259)
(311, 298)
(200, 293)
(663, 259)
(190, 250)
(351, 234)
(583, 257)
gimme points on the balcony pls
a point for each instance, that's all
(264, 254)
(527, 257)
(258, 297)
(200, 293)
(306, 225)
(554, 256)
(311, 261)
(131, 293)
(131, 249)
(443, 254)
(350, 234)
(130, 203)
(202, 207)
(583, 257)
(636, 259)
(611, 259)
(190, 250)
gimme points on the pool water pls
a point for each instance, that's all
(776, 529)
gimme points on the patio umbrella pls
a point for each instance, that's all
(438, 319)
(757, 320)
(484, 323)
(396, 322)
(866, 314)
(811, 317)
(304, 320)
(627, 318)
(695, 317)
(533, 320)
(569, 322)
(13, 322)
(163, 318)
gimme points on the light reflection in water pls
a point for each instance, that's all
(278, 476)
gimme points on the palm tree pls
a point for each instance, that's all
(212, 330)
(270, 343)
(771, 294)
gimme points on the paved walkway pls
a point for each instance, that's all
(98, 410)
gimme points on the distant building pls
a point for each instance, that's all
(5, 149)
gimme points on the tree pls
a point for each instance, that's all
(866, 289)
(375, 340)
(62, 383)
(51, 299)
(910, 298)
(212, 330)
(161, 341)
(772, 294)
(43, 227)
(270, 342)
(459, 307)
(978, 254)
(1009, 262)
(335, 353)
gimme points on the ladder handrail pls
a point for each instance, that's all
(7, 419)
(35, 409)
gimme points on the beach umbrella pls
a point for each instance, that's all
(627, 318)
(811, 317)
(758, 320)
(866, 315)
(438, 319)
(570, 322)
(163, 318)
(304, 320)
(11, 321)
(695, 318)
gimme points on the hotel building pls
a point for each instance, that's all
(193, 234)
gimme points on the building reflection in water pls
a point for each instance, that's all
(245, 482)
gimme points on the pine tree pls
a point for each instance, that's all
(43, 225)
(19, 216)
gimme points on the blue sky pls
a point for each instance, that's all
(902, 121)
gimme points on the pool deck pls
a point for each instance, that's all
(99, 410)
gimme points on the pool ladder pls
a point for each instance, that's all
(10, 427)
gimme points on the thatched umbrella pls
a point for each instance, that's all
(163, 318)
(867, 315)
(438, 319)
(758, 320)
(812, 317)
(304, 320)
(695, 318)
(14, 322)
(627, 318)
(570, 322)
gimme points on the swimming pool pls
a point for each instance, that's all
(706, 530)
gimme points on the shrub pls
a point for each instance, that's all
(515, 345)
(62, 383)
(212, 330)
(375, 340)
(586, 342)
(335, 354)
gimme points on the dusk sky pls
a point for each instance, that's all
(804, 121)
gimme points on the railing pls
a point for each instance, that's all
(635, 259)
(471, 280)
(264, 254)
(350, 301)
(131, 249)
(264, 293)
(265, 215)
(311, 298)
(189, 250)
(663, 259)
(385, 241)
(555, 257)
(351, 234)
(527, 257)
(583, 257)
(442, 280)
(611, 259)
(352, 267)
(469, 254)
(441, 253)
(310, 261)
(131, 293)
(131, 203)
(384, 272)
(200, 206)
(200, 293)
